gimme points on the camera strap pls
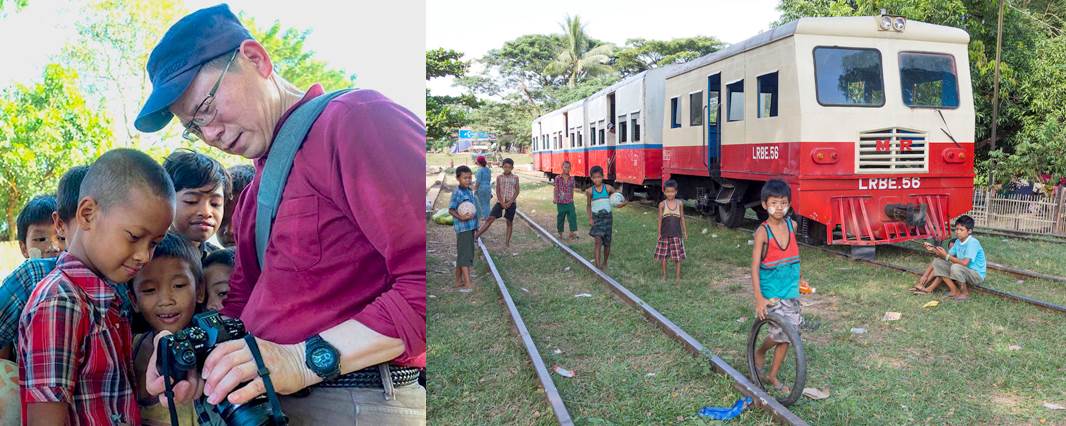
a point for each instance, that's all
(275, 406)
(168, 385)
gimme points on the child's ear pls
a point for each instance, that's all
(86, 213)
(22, 246)
(201, 293)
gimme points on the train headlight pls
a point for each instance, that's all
(886, 23)
(825, 156)
(899, 23)
(954, 156)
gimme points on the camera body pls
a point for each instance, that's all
(187, 349)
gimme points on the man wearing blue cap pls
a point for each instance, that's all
(337, 298)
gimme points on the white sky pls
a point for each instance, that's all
(476, 26)
(382, 42)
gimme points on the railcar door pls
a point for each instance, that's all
(712, 143)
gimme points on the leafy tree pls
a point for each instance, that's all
(295, 62)
(45, 128)
(445, 113)
(641, 54)
(579, 58)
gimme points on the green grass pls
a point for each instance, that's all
(627, 371)
(949, 364)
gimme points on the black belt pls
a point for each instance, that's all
(370, 377)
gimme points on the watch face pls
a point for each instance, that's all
(322, 358)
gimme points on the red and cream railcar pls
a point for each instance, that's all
(870, 120)
(574, 117)
(638, 112)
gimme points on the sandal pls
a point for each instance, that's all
(918, 291)
(780, 387)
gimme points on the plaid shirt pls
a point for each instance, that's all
(14, 292)
(75, 347)
(564, 190)
(508, 185)
(458, 197)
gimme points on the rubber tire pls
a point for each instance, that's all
(797, 346)
(731, 215)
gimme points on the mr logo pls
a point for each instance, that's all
(884, 145)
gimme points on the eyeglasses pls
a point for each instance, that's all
(206, 112)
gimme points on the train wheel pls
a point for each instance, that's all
(731, 215)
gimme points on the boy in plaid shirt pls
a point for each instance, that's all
(75, 349)
(564, 202)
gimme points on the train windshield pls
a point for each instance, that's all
(846, 76)
(928, 80)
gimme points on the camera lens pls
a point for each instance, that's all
(252, 413)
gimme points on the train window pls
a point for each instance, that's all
(695, 108)
(735, 93)
(928, 80)
(634, 125)
(675, 118)
(592, 135)
(848, 76)
(603, 138)
(767, 95)
(573, 138)
(579, 141)
(622, 129)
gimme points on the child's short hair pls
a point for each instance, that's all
(462, 169)
(173, 245)
(240, 176)
(966, 221)
(670, 183)
(224, 256)
(596, 170)
(67, 193)
(508, 161)
(112, 176)
(565, 163)
(191, 169)
(776, 188)
(37, 211)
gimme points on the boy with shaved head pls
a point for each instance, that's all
(75, 349)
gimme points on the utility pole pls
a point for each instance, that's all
(995, 84)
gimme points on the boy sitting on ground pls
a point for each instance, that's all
(75, 344)
(963, 265)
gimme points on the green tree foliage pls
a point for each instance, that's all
(445, 114)
(1032, 77)
(580, 58)
(641, 54)
(293, 61)
(45, 128)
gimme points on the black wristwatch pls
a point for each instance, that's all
(322, 358)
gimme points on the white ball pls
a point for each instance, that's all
(617, 199)
(466, 207)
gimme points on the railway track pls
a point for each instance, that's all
(1004, 268)
(547, 384)
(1047, 238)
(740, 382)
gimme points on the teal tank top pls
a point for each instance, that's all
(601, 200)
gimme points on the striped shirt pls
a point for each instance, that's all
(564, 190)
(75, 347)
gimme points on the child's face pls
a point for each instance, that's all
(566, 168)
(166, 293)
(217, 278)
(464, 179)
(198, 212)
(507, 168)
(118, 242)
(40, 241)
(670, 193)
(597, 178)
(961, 232)
(225, 227)
(777, 207)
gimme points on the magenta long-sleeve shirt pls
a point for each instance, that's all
(348, 240)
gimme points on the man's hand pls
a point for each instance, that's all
(941, 252)
(760, 307)
(184, 390)
(230, 364)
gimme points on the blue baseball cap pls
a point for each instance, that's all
(176, 60)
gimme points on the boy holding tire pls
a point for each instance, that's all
(775, 274)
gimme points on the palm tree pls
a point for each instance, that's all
(579, 60)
